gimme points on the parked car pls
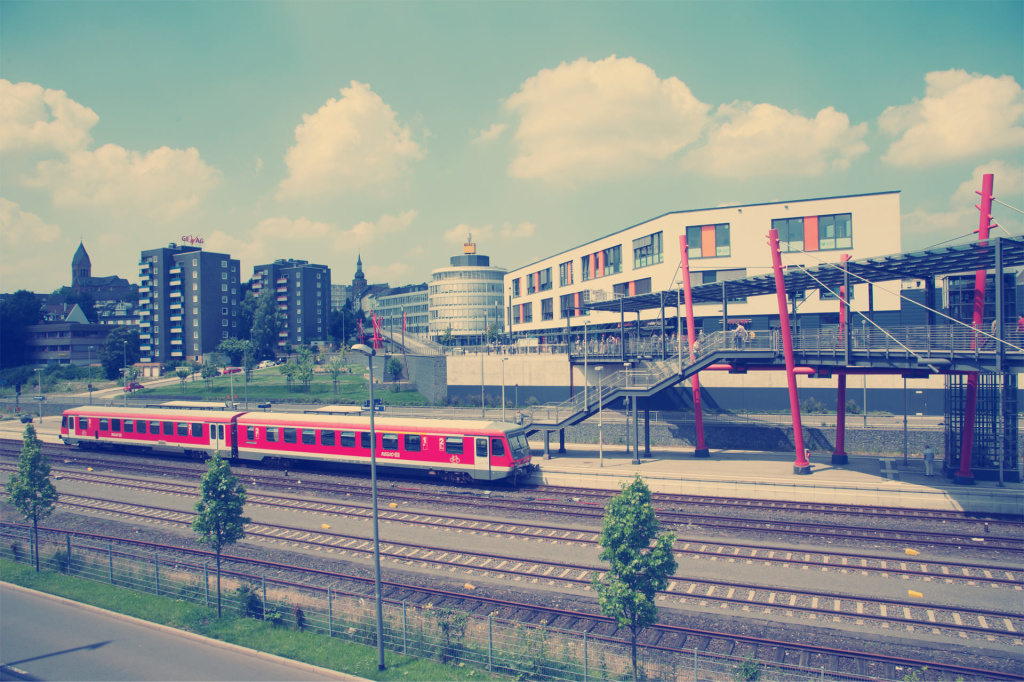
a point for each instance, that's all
(267, 363)
(134, 386)
(26, 419)
(231, 370)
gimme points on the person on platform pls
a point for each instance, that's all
(929, 460)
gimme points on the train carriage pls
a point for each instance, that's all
(196, 433)
(452, 449)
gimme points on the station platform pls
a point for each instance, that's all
(767, 475)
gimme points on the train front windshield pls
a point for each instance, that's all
(520, 447)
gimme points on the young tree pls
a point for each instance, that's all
(335, 366)
(219, 521)
(393, 368)
(208, 372)
(288, 370)
(640, 561)
(266, 323)
(304, 371)
(30, 489)
(183, 373)
(114, 354)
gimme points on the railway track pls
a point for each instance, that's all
(663, 638)
(792, 605)
(973, 538)
(925, 568)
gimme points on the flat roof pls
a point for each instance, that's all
(190, 405)
(153, 413)
(912, 265)
(404, 425)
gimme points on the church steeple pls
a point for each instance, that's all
(359, 266)
(81, 266)
(359, 281)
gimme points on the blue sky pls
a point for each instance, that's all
(319, 130)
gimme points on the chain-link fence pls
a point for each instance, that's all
(529, 651)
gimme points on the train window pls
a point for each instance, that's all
(83, 423)
(481, 447)
(197, 430)
(168, 428)
(497, 448)
(182, 429)
(364, 439)
(154, 428)
(309, 436)
(115, 424)
(64, 421)
(220, 431)
(389, 441)
(129, 426)
(453, 445)
(272, 434)
(348, 439)
(250, 434)
(327, 438)
(140, 425)
(104, 424)
(413, 443)
(289, 435)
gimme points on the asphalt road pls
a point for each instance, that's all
(45, 639)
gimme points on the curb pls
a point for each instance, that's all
(167, 630)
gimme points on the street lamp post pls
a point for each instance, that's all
(586, 375)
(90, 375)
(124, 360)
(503, 359)
(600, 415)
(39, 393)
(369, 352)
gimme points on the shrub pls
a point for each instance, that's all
(249, 603)
(852, 407)
(61, 561)
(748, 671)
(300, 617)
(451, 625)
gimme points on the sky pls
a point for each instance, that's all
(324, 130)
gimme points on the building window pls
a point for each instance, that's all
(224, 335)
(223, 299)
(835, 231)
(223, 287)
(544, 277)
(791, 234)
(223, 263)
(223, 275)
(547, 309)
(567, 306)
(515, 314)
(195, 286)
(647, 250)
(223, 311)
(195, 274)
(527, 312)
(515, 287)
(708, 241)
(531, 284)
(565, 274)
(195, 311)
(195, 262)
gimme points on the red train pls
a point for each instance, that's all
(455, 450)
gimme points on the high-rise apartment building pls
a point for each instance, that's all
(188, 302)
(303, 294)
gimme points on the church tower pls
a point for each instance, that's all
(81, 266)
(359, 281)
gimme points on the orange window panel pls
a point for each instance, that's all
(577, 297)
(707, 241)
(632, 288)
(811, 233)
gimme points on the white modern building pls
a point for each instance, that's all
(724, 243)
(408, 304)
(466, 298)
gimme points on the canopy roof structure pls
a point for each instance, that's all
(915, 265)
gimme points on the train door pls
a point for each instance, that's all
(216, 436)
(498, 453)
(482, 458)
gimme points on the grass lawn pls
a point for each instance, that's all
(270, 384)
(319, 650)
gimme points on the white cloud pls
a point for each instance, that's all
(924, 227)
(518, 231)
(592, 121)
(28, 247)
(747, 140)
(35, 118)
(320, 241)
(491, 133)
(487, 233)
(962, 115)
(350, 144)
(461, 232)
(392, 273)
(163, 185)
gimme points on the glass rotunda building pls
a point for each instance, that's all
(465, 298)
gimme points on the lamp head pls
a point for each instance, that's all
(363, 348)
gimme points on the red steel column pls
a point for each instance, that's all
(801, 466)
(840, 456)
(964, 475)
(698, 415)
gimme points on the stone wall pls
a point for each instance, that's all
(430, 376)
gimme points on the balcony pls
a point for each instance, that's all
(175, 306)
(145, 265)
(282, 290)
(145, 337)
(176, 342)
(177, 354)
(174, 318)
(174, 283)
(145, 349)
(175, 294)
(283, 335)
(174, 271)
(144, 275)
(145, 312)
(145, 301)
(177, 330)
(281, 280)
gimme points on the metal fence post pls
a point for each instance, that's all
(405, 629)
(67, 539)
(156, 573)
(206, 582)
(696, 667)
(490, 645)
(330, 613)
(586, 658)
(110, 560)
(264, 579)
